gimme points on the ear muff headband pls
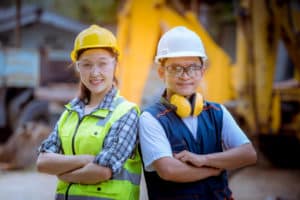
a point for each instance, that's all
(197, 104)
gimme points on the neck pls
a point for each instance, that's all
(170, 93)
(96, 98)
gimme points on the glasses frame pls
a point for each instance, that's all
(93, 64)
(190, 70)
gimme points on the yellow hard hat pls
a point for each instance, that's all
(94, 37)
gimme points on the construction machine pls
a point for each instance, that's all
(19, 76)
(29, 89)
(264, 101)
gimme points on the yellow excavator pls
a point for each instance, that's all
(266, 110)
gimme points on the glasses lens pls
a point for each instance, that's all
(103, 65)
(84, 65)
(177, 70)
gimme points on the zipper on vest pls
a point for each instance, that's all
(73, 151)
(74, 135)
(67, 191)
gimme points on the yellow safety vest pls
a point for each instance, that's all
(86, 136)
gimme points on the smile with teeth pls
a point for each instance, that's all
(96, 81)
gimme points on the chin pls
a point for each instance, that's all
(97, 90)
(185, 93)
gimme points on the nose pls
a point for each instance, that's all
(95, 69)
(184, 74)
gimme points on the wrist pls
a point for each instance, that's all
(206, 160)
(85, 159)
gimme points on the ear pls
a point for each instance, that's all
(161, 72)
(76, 67)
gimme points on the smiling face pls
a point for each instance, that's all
(182, 75)
(96, 68)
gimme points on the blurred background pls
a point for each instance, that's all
(253, 69)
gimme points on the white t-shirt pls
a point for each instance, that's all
(155, 144)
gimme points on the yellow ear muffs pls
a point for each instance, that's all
(197, 104)
(183, 106)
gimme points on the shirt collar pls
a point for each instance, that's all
(105, 104)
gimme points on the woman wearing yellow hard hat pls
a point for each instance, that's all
(93, 147)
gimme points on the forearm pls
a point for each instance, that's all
(53, 163)
(232, 158)
(172, 169)
(89, 174)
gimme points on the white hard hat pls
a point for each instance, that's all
(180, 42)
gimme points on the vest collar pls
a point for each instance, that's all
(109, 103)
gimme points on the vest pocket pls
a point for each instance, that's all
(89, 143)
(105, 189)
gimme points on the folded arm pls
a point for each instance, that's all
(91, 173)
(171, 169)
(56, 164)
(230, 159)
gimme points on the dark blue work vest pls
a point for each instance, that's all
(208, 141)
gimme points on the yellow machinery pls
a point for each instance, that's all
(140, 25)
(257, 103)
(269, 109)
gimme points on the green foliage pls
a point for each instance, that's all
(88, 11)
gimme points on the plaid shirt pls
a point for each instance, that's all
(118, 144)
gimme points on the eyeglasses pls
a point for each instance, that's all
(177, 70)
(87, 65)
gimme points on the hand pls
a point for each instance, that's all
(87, 159)
(191, 158)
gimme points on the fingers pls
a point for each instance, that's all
(190, 158)
(183, 156)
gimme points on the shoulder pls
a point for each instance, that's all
(146, 118)
(212, 105)
(124, 106)
(213, 109)
(148, 124)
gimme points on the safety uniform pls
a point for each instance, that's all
(86, 136)
(208, 141)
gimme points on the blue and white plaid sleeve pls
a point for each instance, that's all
(52, 144)
(120, 142)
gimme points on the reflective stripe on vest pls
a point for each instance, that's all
(62, 197)
(86, 136)
(131, 177)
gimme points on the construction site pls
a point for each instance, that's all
(253, 70)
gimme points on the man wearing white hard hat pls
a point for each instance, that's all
(188, 143)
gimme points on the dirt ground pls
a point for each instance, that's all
(260, 182)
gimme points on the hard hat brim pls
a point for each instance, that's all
(181, 54)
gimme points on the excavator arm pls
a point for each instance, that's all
(141, 23)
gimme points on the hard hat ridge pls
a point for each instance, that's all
(180, 42)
